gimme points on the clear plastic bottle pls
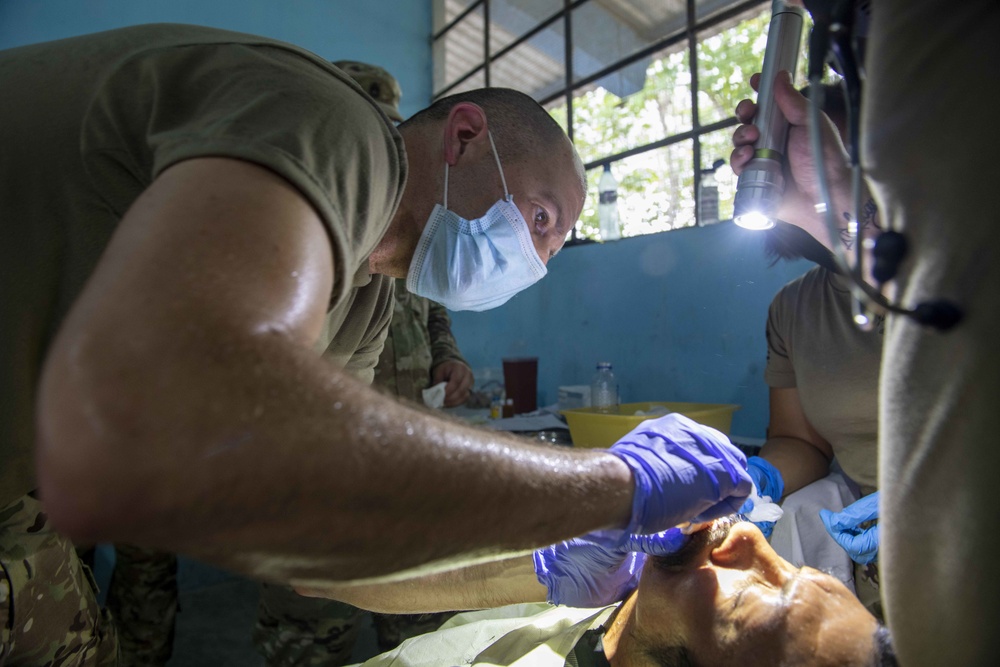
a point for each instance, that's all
(607, 207)
(604, 389)
(708, 196)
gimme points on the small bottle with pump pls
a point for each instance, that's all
(604, 389)
(607, 206)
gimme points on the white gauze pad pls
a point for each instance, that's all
(763, 508)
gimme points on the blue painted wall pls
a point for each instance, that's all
(680, 314)
(392, 33)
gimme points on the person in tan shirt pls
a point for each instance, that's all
(929, 142)
(203, 231)
(821, 451)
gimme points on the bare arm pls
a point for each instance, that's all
(793, 446)
(182, 407)
(483, 586)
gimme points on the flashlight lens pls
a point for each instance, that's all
(754, 220)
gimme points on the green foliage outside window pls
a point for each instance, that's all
(656, 188)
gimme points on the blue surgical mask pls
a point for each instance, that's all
(475, 264)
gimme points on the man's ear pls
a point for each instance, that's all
(465, 128)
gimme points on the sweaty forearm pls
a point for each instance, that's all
(182, 407)
(799, 462)
(260, 457)
(487, 585)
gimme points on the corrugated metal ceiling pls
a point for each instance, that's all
(604, 32)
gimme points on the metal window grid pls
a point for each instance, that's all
(690, 33)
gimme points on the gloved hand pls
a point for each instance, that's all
(844, 527)
(683, 471)
(600, 568)
(768, 482)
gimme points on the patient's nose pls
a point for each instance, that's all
(746, 548)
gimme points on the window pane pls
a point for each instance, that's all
(459, 51)
(707, 8)
(727, 58)
(446, 11)
(655, 192)
(714, 146)
(477, 80)
(729, 55)
(605, 124)
(557, 109)
(606, 32)
(588, 226)
(535, 67)
(510, 19)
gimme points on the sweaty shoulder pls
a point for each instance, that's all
(175, 92)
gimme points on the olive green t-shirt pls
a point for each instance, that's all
(814, 345)
(88, 123)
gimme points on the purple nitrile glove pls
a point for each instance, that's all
(844, 527)
(684, 471)
(600, 568)
(659, 544)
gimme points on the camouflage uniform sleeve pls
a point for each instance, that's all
(404, 369)
(443, 344)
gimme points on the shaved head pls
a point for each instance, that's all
(522, 129)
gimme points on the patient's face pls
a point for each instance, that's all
(730, 599)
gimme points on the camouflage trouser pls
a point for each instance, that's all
(393, 629)
(142, 597)
(49, 614)
(294, 630)
(866, 583)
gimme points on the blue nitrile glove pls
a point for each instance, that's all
(600, 568)
(683, 471)
(860, 544)
(769, 482)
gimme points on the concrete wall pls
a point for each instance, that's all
(680, 314)
(392, 33)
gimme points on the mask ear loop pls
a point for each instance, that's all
(496, 156)
(446, 185)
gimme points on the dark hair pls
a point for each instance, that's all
(834, 102)
(884, 654)
(786, 241)
(509, 112)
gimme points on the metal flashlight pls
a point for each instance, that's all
(760, 186)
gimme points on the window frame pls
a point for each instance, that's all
(690, 33)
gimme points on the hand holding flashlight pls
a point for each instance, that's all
(801, 191)
(759, 190)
